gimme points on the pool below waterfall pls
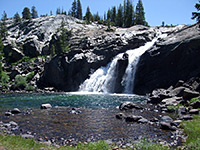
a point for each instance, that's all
(94, 118)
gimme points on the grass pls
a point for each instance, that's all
(18, 143)
(192, 129)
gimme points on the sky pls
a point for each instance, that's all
(156, 11)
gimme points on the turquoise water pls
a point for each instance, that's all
(83, 100)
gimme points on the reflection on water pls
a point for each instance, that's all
(84, 100)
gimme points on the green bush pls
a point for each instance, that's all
(30, 88)
(194, 100)
(4, 79)
(30, 76)
(20, 82)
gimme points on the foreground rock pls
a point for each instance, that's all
(129, 106)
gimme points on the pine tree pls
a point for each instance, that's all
(79, 10)
(196, 15)
(88, 16)
(120, 16)
(58, 11)
(63, 39)
(96, 17)
(113, 15)
(51, 13)
(26, 13)
(73, 10)
(3, 27)
(128, 14)
(34, 13)
(140, 14)
(17, 18)
(4, 16)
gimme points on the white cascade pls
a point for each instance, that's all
(103, 79)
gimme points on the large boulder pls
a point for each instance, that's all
(32, 48)
(173, 59)
(12, 54)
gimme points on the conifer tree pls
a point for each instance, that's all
(34, 13)
(113, 15)
(73, 10)
(196, 15)
(3, 27)
(4, 16)
(96, 17)
(58, 11)
(88, 16)
(140, 14)
(26, 13)
(119, 19)
(79, 14)
(17, 18)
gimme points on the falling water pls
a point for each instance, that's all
(103, 79)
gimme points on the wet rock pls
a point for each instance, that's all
(46, 106)
(133, 118)
(75, 111)
(120, 116)
(186, 117)
(194, 111)
(128, 106)
(167, 126)
(8, 113)
(15, 111)
(195, 104)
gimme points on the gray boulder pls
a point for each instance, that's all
(195, 105)
(189, 94)
(129, 106)
(133, 118)
(46, 106)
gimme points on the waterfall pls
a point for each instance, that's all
(134, 55)
(103, 79)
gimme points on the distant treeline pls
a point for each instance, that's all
(122, 16)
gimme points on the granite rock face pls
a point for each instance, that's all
(173, 59)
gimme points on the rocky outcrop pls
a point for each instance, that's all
(175, 58)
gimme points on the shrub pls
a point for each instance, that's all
(194, 100)
(20, 82)
(4, 79)
(30, 88)
(30, 76)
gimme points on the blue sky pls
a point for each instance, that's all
(169, 11)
